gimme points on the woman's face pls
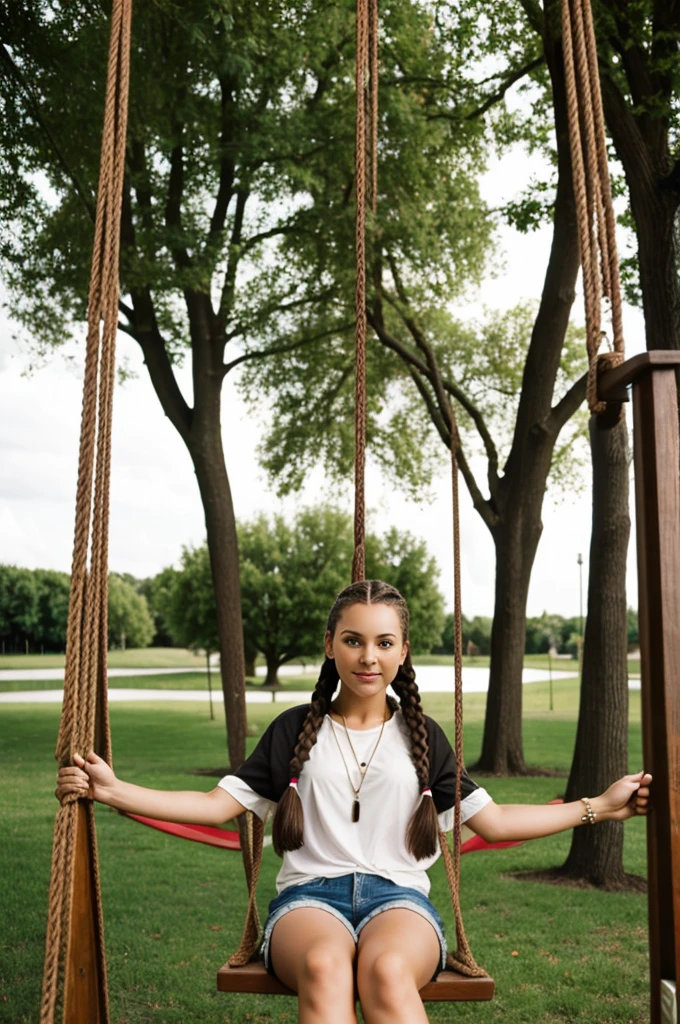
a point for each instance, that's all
(368, 647)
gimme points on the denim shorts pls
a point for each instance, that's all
(354, 900)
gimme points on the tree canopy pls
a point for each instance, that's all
(34, 610)
(184, 600)
(240, 136)
(291, 572)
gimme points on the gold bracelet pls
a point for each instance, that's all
(590, 814)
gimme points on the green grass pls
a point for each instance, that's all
(174, 909)
(176, 681)
(143, 657)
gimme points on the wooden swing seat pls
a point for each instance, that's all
(448, 986)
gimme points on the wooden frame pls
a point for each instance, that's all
(657, 500)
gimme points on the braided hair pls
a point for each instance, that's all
(423, 828)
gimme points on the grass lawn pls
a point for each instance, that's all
(176, 681)
(144, 657)
(174, 909)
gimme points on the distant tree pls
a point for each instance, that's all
(187, 602)
(404, 561)
(19, 608)
(290, 575)
(446, 644)
(480, 633)
(447, 641)
(156, 590)
(130, 623)
(544, 632)
(53, 597)
(633, 627)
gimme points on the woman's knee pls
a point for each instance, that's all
(325, 972)
(387, 979)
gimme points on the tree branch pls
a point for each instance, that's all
(567, 405)
(262, 236)
(480, 503)
(280, 307)
(507, 83)
(34, 108)
(431, 370)
(143, 327)
(389, 341)
(227, 166)
(290, 347)
(534, 14)
(229, 287)
(173, 206)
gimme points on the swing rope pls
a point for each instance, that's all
(366, 79)
(592, 190)
(84, 721)
(462, 960)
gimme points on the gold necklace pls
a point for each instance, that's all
(363, 766)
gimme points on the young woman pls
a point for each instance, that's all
(360, 786)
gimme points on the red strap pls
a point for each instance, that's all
(197, 833)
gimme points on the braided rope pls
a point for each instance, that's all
(592, 189)
(373, 107)
(252, 858)
(84, 723)
(462, 960)
(362, 70)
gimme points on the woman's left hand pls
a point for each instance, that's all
(625, 798)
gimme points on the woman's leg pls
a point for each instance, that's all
(313, 953)
(398, 953)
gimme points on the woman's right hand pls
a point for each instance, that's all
(88, 777)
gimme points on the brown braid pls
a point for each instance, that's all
(288, 827)
(422, 833)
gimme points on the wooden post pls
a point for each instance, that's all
(657, 500)
(84, 987)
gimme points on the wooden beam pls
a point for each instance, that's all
(85, 999)
(447, 986)
(612, 384)
(657, 496)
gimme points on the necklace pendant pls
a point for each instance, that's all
(356, 808)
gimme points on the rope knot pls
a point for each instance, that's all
(608, 360)
(68, 793)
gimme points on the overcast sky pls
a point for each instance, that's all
(155, 502)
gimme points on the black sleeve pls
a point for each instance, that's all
(443, 770)
(266, 771)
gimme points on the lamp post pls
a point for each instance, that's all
(579, 562)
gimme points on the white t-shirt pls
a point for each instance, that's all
(334, 845)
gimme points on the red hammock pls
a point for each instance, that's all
(198, 833)
(230, 840)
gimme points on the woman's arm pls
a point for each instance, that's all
(497, 823)
(93, 778)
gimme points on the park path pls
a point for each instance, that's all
(431, 679)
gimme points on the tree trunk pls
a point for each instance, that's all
(201, 430)
(272, 678)
(220, 522)
(250, 657)
(502, 747)
(643, 149)
(601, 752)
